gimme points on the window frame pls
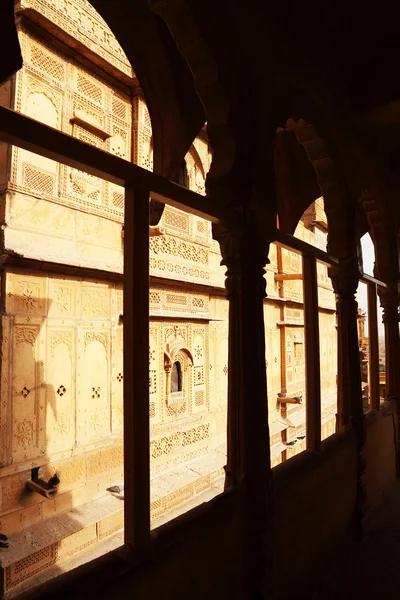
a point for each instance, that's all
(140, 186)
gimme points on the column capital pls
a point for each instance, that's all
(345, 277)
(245, 254)
(389, 299)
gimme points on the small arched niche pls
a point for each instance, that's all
(176, 377)
(177, 365)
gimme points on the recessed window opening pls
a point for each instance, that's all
(68, 355)
(176, 377)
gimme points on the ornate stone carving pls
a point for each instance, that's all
(243, 255)
(63, 300)
(83, 23)
(95, 302)
(172, 246)
(23, 433)
(61, 337)
(26, 334)
(98, 336)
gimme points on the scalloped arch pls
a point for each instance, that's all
(182, 24)
(170, 357)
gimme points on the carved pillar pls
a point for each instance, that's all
(389, 298)
(248, 462)
(350, 408)
(345, 282)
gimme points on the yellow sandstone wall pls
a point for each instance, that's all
(61, 371)
(61, 389)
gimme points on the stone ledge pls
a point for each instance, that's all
(36, 548)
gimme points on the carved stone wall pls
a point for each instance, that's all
(62, 385)
(284, 337)
(60, 93)
(191, 424)
(62, 345)
(63, 335)
(82, 22)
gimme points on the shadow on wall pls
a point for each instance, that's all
(41, 431)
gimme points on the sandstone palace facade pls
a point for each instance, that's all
(62, 242)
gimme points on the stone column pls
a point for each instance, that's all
(248, 461)
(350, 408)
(345, 282)
(389, 298)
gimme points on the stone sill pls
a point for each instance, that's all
(126, 560)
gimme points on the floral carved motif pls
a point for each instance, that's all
(61, 337)
(63, 299)
(62, 426)
(23, 433)
(96, 336)
(95, 302)
(26, 334)
(174, 333)
(97, 420)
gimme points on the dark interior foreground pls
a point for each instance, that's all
(321, 78)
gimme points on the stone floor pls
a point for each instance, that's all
(370, 570)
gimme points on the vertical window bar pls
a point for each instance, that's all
(136, 367)
(311, 338)
(373, 343)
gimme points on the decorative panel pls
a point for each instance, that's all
(117, 382)
(176, 220)
(47, 62)
(179, 301)
(60, 390)
(220, 369)
(63, 298)
(31, 172)
(31, 565)
(176, 258)
(79, 19)
(77, 542)
(294, 314)
(85, 189)
(154, 376)
(173, 442)
(93, 398)
(200, 359)
(5, 397)
(26, 294)
(143, 149)
(111, 524)
(28, 397)
(41, 102)
(96, 301)
(54, 89)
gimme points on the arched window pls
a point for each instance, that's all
(176, 377)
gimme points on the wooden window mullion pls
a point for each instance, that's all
(311, 339)
(136, 367)
(373, 347)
